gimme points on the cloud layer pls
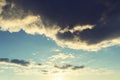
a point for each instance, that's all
(69, 66)
(43, 68)
(23, 67)
(80, 24)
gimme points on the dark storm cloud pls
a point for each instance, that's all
(107, 29)
(80, 12)
(107, 26)
(63, 12)
(15, 61)
(103, 15)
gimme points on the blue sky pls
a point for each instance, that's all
(38, 49)
(59, 40)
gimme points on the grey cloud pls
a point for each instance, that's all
(20, 62)
(67, 66)
(15, 61)
(44, 71)
(78, 67)
(64, 13)
(103, 15)
(39, 64)
(4, 60)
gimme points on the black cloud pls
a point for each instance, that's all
(64, 12)
(103, 14)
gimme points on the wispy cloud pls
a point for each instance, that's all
(78, 67)
(15, 61)
(23, 67)
(51, 70)
(20, 62)
(64, 66)
(69, 66)
(56, 50)
(62, 56)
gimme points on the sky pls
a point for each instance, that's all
(59, 39)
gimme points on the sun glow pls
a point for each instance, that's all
(59, 77)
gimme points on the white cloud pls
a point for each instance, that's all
(56, 50)
(62, 56)
(77, 28)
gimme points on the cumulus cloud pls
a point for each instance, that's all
(81, 24)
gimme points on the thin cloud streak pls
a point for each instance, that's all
(23, 67)
(15, 61)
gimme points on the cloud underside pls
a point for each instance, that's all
(15, 61)
(23, 67)
(74, 24)
(24, 63)
(43, 68)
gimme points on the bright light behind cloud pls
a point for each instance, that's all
(59, 39)
(58, 71)
(14, 20)
(62, 56)
(58, 78)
